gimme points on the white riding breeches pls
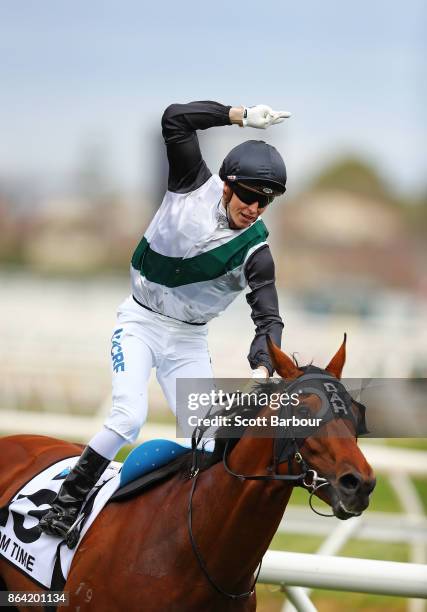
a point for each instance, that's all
(142, 340)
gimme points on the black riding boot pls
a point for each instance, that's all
(72, 495)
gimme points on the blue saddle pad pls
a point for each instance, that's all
(148, 457)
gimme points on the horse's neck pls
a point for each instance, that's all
(266, 499)
(246, 514)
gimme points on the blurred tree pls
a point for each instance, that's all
(417, 214)
(354, 175)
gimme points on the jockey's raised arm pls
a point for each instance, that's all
(187, 168)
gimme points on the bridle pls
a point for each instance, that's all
(337, 404)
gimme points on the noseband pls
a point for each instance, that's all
(336, 403)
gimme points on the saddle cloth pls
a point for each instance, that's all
(46, 559)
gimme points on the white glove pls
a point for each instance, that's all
(262, 116)
(260, 372)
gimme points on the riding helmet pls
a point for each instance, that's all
(256, 163)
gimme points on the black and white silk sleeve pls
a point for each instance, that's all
(263, 300)
(187, 168)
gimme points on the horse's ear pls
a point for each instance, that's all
(283, 364)
(336, 365)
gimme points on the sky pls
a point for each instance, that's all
(85, 75)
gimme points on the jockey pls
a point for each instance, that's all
(205, 244)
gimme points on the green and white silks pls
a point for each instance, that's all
(190, 265)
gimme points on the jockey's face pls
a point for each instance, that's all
(240, 215)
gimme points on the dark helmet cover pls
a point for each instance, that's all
(255, 163)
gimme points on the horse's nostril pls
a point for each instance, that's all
(350, 482)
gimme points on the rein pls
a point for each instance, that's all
(202, 564)
(307, 478)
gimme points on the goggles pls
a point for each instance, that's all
(249, 195)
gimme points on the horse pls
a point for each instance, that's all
(185, 548)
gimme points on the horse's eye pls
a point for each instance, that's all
(303, 412)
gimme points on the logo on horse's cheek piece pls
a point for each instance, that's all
(337, 403)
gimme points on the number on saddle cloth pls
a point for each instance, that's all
(148, 457)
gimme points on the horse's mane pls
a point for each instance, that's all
(246, 409)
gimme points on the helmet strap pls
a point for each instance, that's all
(225, 206)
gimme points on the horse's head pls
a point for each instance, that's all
(332, 450)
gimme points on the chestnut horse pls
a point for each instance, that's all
(184, 548)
